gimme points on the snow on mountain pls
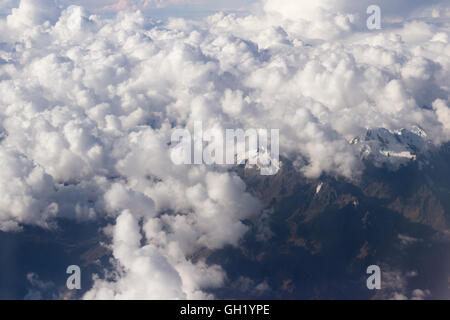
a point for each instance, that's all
(393, 147)
(262, 159)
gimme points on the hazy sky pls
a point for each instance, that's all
(202, 7)
(163, 7)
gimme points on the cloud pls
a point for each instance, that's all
(89, 103)
(327, 19)
(31, 12)
(303, 9)
(443, 115)
(39, 289)
(147, 274)
(25, 192)
(396, 286)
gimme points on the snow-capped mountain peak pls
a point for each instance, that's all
(393, 147)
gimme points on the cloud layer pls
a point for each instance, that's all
(88, 105)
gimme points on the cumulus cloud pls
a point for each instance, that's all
(396, 286)
(88, 106)
(38, 288)
(25, 192)
(328, 19)
(32, 12)
(443, 115)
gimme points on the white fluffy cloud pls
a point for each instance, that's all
(25, 192)
(443, 114)
(88, 105)
(328, 19)
(33, 12)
